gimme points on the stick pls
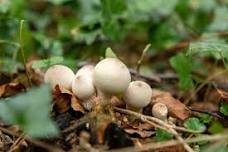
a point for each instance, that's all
(154, 146)
(33, 141)
(160, 122)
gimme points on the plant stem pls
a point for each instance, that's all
(23, 53)
(139, 62)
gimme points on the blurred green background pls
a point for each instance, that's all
(82, 29)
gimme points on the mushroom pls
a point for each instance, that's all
(82, 86)
(111, 77)
(86, 70)
(59, 75)
(138, 95)
(160, 111)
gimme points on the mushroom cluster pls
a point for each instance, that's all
(110, 77)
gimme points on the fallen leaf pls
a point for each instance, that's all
(76, 106)
(176, 108)
(223, 94)
(177, 148)
(116, 102)
(62, 99)
(141, 133)
(36, 75)
(11, 89)
(144, 130)
(207, 106)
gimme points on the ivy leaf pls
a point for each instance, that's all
(214, 47)
(183, 66)
(224, 108)
(112, 13)
(109, 53)
(47, 62)
(205, 118)
(215, 127)
(162, 135)
(30, 111)
(194, 124)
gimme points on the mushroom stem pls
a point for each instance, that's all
(88, 104)
(139, 110)
(104, 96)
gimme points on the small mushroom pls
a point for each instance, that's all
(137, 95)
(160, 111)
(111, 77)
(86, 70)
(59, 75)
(82, 86)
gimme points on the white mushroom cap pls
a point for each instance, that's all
(59, 75)
(160, 111)
(111, 76)
(86, 70)
(138, 95)
(83, 87)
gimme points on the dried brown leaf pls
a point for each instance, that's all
(144, 130)
(116, 102)
(100, 130)
(141, 133)
(76, 106)
(11, 89)
(176, 108)
(62, 99)
(223, 94)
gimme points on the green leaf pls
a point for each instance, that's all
(224, 108)
(47, 62)
(215, 127)
(205, 118)
(4, 5)
(220, 22)
(214, 47)
(183, 66)
(30, 111)
(194, 124)
(162, 135)
(215, 148)
(109, 53)
(109, 8)
(112, 13)
(58, 2)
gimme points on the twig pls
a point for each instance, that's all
(206, 112)
(158, 121)
(151, 78)
(80, 122)
(23, 53)
(17, 143)
(33, 141)
(139, 62)
(154, 146)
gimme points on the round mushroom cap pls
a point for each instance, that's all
(86, 70)
(83, 87)
(111, 76)
(138, 94)
(59, 75)
(160, 110)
